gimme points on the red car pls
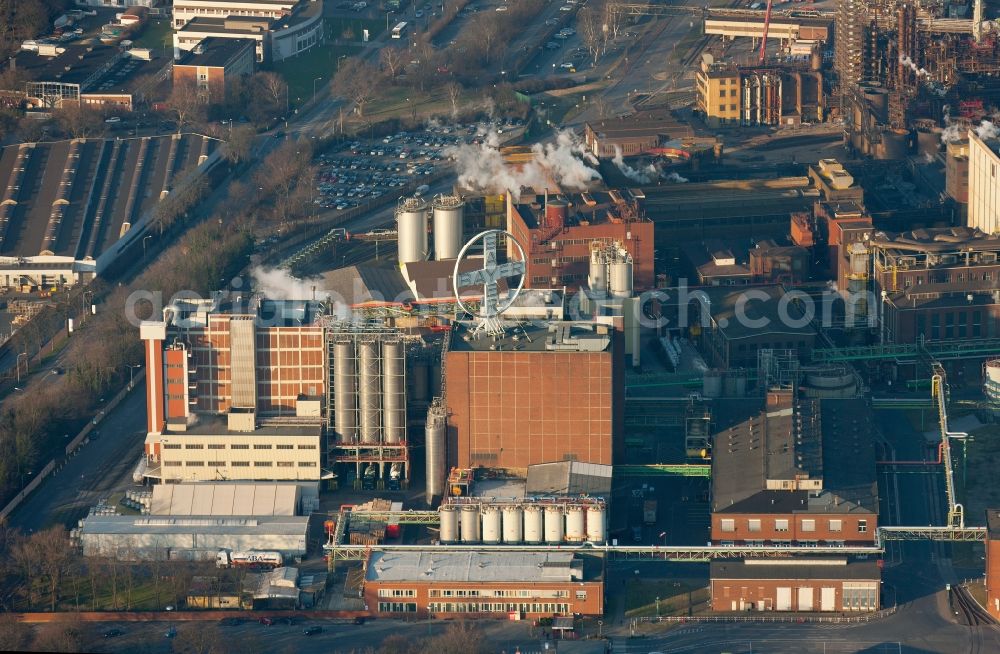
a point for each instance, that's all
(265, 621)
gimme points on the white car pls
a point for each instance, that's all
(569, 65)
(566, 8)
(502, 8)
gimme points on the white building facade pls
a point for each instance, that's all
(984, 190)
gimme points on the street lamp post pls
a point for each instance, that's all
(17, 364)
(657, 606)
(314, 87)
(131, 370)
(144, 239)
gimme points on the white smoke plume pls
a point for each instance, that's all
(674, 177)
(906, 61)
(987, 130)
(278, 284)
(565, 162)
(643, 176)
(928, 157)
(952, 132)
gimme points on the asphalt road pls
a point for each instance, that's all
(99, 467)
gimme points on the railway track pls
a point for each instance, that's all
(969, 611)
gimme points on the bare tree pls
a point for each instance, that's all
(358, 81)
(614, 18)
(459, 638)
(392, 61)
(186, 102)
(272, 88)
(78, 121)
(593, 32)
(239, 143)
(14, 634)
(454, 91)
(486, 31)
(58, 637)
(199, 639)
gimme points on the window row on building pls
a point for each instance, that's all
(491, 607)
(244, 464)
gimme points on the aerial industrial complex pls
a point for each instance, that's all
(707, 328)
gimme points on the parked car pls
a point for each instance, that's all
(113, 633)
(312, 631)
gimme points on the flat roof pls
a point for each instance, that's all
(213, 25)
(153, 525)
(82, 61)
(642, 124)
(569, 478)
(216, 52)
(482, 567)
(757, 303)
(797, 568)
(211, 425)
(540, 336)
(256, 499)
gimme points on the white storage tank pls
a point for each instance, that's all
(621, 278)
(470, 523)
(491, 525)
(512, 525)
(411, 230)
(449, 524)
(598, 278)
(576, 524)
(595, 524)
(448, 228)
(532, 525)
(553, 524)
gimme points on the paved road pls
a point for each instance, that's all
(98, 468)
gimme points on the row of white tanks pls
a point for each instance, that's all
(369, 384)
(448, 228)
(523, 523)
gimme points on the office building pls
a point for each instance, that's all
(503, 585)
(214, 65)
(799, 584)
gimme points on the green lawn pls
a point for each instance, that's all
(300, 72)
(157, 35)
(336, 28)
(640, 596)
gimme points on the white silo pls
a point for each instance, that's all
(597, 280)
(621, 276)
(449, 524)
(411, 230)
(576, 524)
(491, 525)
(595, 524)
(532, 525)
(512, 524)
(449, 226)
(553, 524)
(470, 523)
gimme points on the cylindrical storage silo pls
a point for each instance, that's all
(411, 230)
(448, 226)
(711, 383)
(532, 525)
(555, 214)
(470, 523)
(741, 383)
(436, 450)
(621, 278)
(345, 397)
(553, 524)
(595, 524)
(449, 524)
(393, 392)
(512, 524)
(370, 392)
(491, 525)
(598, 278)
(576, 524)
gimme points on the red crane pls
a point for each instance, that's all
(763, 40)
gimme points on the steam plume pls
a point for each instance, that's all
(643, 176)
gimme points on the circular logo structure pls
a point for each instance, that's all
(491, 307)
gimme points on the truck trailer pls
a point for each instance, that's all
(249, 559)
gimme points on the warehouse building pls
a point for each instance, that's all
(234, 499)
(135, 538)
(803, 585)
(505, 585)
(538, 395)
(71, 208)
(639, 133)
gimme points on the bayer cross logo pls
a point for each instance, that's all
(488, 276)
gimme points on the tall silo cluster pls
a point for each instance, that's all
(527, 521)
(446, 214)
(369, 388)
(610, 270)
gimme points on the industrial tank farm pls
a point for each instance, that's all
(522, 522)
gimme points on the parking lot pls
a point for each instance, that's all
(366, 170)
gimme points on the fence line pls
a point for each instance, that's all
(840, 619)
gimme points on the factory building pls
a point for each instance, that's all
(640, 133)
(957, 173)
(714, 262)
(805, 585)
(538, 395)
(503, 585)
(983, 188)
(793, 472)
(778, 94)
(557, 233)
(938, 284)
(736, 323)
(993, 562)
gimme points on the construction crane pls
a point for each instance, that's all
(763, 39)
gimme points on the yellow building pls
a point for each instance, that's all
(718, 91)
